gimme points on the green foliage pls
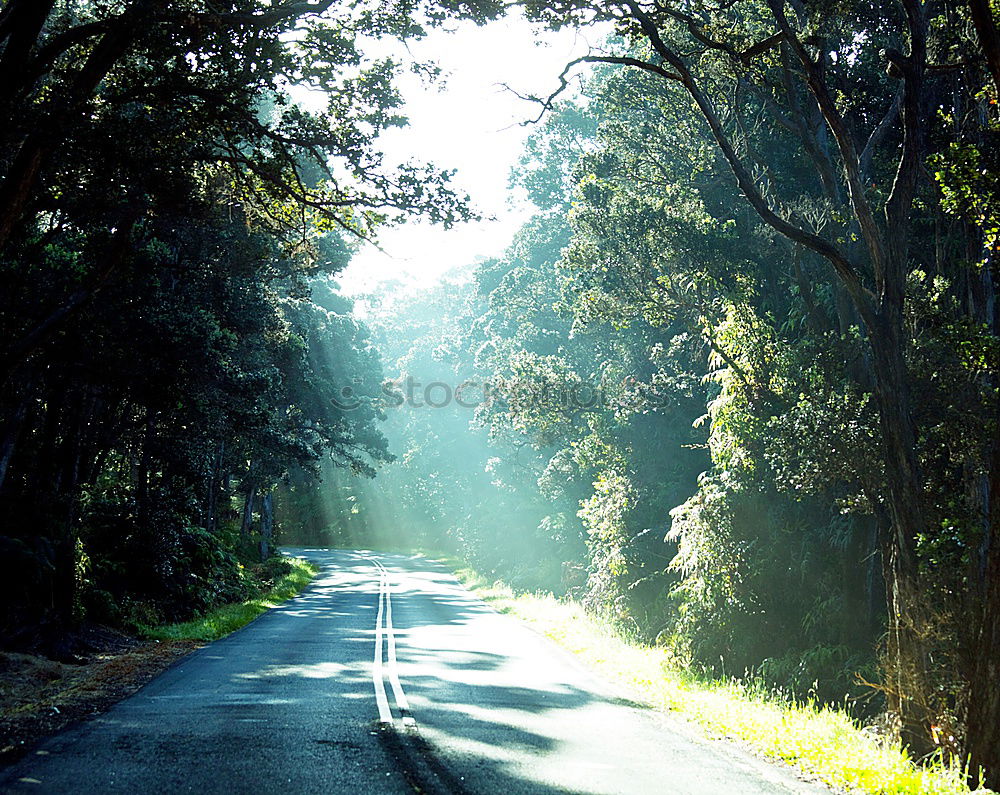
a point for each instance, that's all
(279, 580)
(170, 215)
(729, 483)
(682, 413)
(967, 176)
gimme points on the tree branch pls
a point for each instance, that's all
(989, 37)
(844, 268)
(878, 135)
(265, 19)
(607, 59)
(741, 56)
(900, 201)
(845, 141)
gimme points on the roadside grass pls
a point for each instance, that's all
(228, 618)
(824, 742)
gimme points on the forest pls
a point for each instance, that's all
(733, 387)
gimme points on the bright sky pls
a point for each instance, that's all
(470, 124)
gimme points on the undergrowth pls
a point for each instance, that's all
(228, 618)
(825, 742)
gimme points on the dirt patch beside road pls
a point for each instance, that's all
(39, 696)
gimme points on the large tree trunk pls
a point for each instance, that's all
(248, 503)
(907, 682)
(142, 475)
(214, 484)
(22, 26)
(983, 715)
(989, 36)
(58, 482)
(11, 429)
(266, 524)
(64, 589)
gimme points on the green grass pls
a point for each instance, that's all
(825, 742)
(228, 618)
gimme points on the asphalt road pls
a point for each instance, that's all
(385, 675)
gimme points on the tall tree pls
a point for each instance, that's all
(809, 71)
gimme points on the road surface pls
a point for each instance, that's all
(385, 675)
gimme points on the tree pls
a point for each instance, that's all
(159, 186)
(199, 85)
(791, 61)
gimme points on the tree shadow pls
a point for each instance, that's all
(284, 704)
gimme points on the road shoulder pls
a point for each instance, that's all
(40, 697)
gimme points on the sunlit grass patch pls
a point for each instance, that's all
(228, 618)
(825, 742)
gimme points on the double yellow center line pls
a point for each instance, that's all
(385, 641)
